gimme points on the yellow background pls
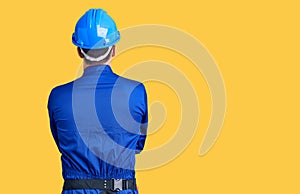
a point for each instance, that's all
(256, 45)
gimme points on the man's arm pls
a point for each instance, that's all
(51, 117)
(144, 123)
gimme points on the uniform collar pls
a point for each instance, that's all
(96, 69)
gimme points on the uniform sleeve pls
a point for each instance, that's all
(51, 116)
(144, 123)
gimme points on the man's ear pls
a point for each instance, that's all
(79, 53)
(113, 52)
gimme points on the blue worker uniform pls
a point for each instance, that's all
(99, 122)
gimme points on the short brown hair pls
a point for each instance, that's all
(96, 53)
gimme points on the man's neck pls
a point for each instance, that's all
(85, 65)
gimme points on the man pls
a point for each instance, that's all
(98, 121)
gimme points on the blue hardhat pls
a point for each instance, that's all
(95, 30)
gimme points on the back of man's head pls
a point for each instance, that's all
(89, 55)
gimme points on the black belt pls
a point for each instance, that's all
(101, 184)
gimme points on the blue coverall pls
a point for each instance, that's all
(99, 122)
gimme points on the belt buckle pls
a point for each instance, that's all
(117, 184)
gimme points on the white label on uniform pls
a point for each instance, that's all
(101, 32)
